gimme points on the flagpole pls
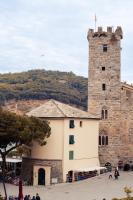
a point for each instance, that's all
(95, 22)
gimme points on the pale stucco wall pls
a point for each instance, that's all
(85, 147)
(54, 147)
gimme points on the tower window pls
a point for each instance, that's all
(105, 47)
(103, 140)
(103, 86)
(103, 68)
(106, 140)
(104, 114)
(100, 140)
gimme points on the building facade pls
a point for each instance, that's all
(72, 146)
(108, 97)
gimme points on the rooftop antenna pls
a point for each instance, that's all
(95, 22)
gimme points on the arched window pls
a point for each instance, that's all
(103, 138)
(104, 113)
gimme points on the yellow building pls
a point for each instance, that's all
(72, 146)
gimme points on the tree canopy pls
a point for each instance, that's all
(16, 130)
(41, 84)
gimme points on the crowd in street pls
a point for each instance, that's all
(28, 197)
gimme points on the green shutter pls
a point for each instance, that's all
(71, 155)
(71, 124)
(71, 139)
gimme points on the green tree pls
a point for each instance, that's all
(16, 131)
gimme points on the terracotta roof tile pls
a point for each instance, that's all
(56, 109)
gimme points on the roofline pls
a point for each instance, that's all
(71, 118)
(127, 86)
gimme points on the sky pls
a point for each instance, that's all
(52, 34)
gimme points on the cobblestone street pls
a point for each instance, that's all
(95, 188)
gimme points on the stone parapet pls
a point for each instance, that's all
(116, 34)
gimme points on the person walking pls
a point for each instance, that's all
(116, 174)
(110, 175)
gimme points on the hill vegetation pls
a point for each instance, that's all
(41, 84)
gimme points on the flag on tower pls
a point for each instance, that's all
(95, 18)
(95, 22)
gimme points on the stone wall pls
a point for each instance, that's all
(27, 168)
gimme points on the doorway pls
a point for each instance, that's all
(41, 176)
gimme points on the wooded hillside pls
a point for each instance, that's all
(41, 84)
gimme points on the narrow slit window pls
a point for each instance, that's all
(103, 86)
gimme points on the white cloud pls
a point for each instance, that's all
(58, 29)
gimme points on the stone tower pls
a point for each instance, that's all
(104, 89)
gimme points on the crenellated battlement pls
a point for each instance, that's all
(110, 32)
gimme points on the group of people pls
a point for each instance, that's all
(116, 174)
(28, 197)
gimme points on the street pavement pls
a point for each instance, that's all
(95, 188)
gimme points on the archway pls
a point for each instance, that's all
(41, 176)
(108, 165)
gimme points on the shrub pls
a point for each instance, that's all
(128, 191)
